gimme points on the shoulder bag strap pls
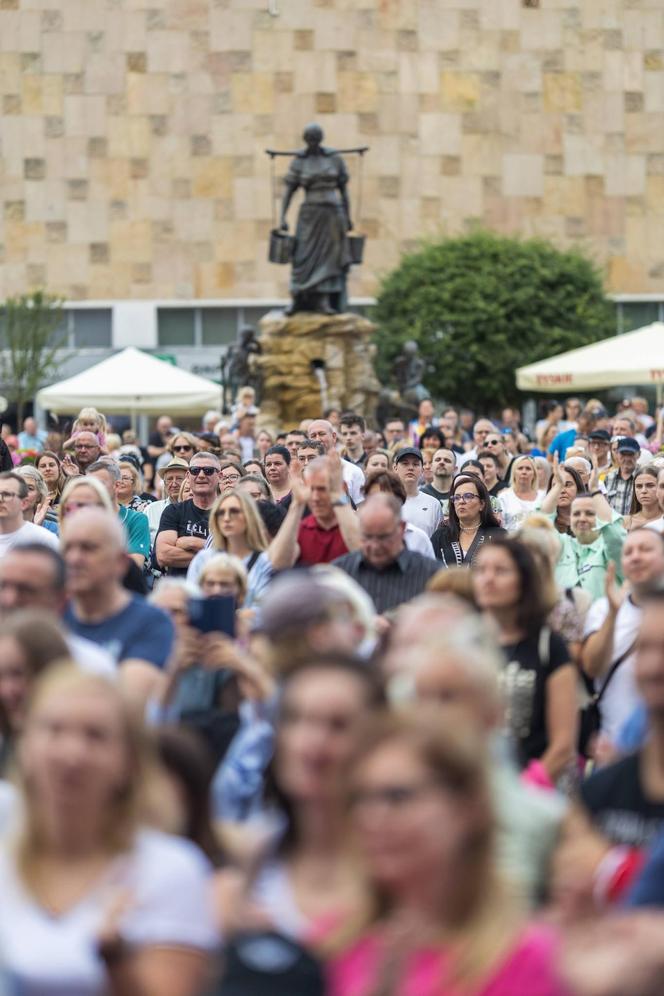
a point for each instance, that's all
(252, 559)
(614, 667)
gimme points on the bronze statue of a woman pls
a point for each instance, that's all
(322, 256)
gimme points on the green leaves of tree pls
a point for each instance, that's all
(32, 336)
(482, 305)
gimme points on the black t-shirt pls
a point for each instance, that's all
(186, 519)
(497, 488)
(618, 806)
(429, 489)
(524, 680)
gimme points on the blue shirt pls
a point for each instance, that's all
(28, 442)
(560, 443)
(139, 631)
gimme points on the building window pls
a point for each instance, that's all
(635, 314)
(176, 326)
(218, 326)
(91, 328)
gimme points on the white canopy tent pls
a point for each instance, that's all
(133, 383)
(633, 358)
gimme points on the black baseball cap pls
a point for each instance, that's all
(409, 451)
(600, 434)
(628, 445)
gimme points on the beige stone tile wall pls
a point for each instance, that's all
(132, 133)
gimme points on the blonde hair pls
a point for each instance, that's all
(91, 414)
(255, 533)
(483, 918)
(517, 463)
(79, 482)
(227, 562)
(122, 822)
(454, 581)
(136, 475)
(113, 442)
(193, 442)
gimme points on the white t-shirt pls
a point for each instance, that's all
(621, 697)
(423, 511)
(516, 509)
(27, 533)
(152, 512)
(657, 525)
(354, 480)
(169, 882)
(90, 657)
(418, 541)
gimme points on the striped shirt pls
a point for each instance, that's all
(395, 584)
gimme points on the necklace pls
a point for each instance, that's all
(469, 529)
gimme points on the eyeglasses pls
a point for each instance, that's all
(493, 442)
(6, 495)
(463, 499)
(208, 471)
(182, 449)
(229, 512)
(84, 446)
(230, 477)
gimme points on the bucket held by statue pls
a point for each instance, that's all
(281, 246)
(356, 248)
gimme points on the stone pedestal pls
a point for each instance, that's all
(339, 344)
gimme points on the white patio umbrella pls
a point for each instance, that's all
(133, 383)
(633, 358)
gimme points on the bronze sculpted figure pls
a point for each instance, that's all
(409, 370)
(241, 366)
(322, 254)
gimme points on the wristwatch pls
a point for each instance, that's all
(340, 502)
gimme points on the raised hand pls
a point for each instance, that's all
(69, 466)
(41, 510)
(614, 594)
(336, 476)
(558, 469)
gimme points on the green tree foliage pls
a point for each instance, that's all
(482, 305)
(31, 338)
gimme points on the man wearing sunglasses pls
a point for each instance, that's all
(183, 527)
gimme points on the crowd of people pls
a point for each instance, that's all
(333, 709)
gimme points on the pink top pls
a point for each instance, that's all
(529, 968)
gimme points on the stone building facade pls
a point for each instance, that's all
(132, 134)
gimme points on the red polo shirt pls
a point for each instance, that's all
(318, 545)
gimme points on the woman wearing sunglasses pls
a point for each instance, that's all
(183, 446)
(470, 524)
(236, 527)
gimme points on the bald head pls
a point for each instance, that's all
(94, 550)
(106, 525)
(323, 431)
(381, 529)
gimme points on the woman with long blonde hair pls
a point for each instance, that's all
(117, 909)
(236, 527)
(440, 922)
(523, 494)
